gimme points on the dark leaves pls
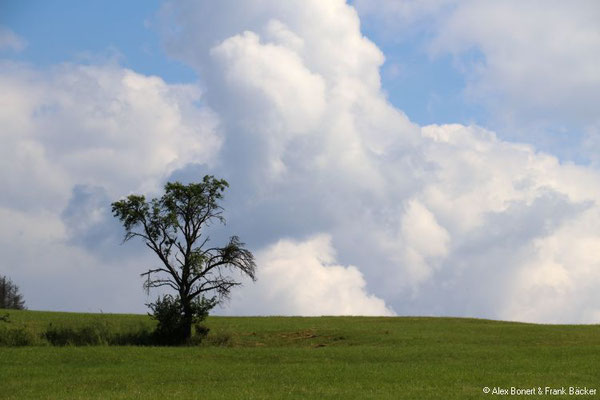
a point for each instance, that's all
(172, 227)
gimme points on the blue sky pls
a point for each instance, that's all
(73, 31)
(428, 89)
(457, 177)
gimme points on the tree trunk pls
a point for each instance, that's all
(188, 317)
(3, 293)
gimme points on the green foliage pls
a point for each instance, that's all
(36, 328)
(91, 335)
(180, 204)
(142, 336)
(172, 327)
(19, 335)
(9, 295)
(96, 334)
(172, 227)
(117, 323)
(169, 329)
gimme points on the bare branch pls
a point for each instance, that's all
(152, 271)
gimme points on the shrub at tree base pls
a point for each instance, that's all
(172, 324)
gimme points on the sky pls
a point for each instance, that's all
(385, 157)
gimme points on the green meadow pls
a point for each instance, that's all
(303, 358)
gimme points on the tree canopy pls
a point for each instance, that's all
(9, 295)
(172, 226)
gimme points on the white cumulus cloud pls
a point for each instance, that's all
(442, 219)
(435, 220)
(532, 65)
(303, 278)
(75, 138)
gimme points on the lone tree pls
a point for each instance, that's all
(9, 295)
(172, 227)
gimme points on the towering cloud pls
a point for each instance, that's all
(350, 207)
(439, 219)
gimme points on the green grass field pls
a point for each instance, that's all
(307, 358)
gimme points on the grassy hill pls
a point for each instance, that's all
(321, 358)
